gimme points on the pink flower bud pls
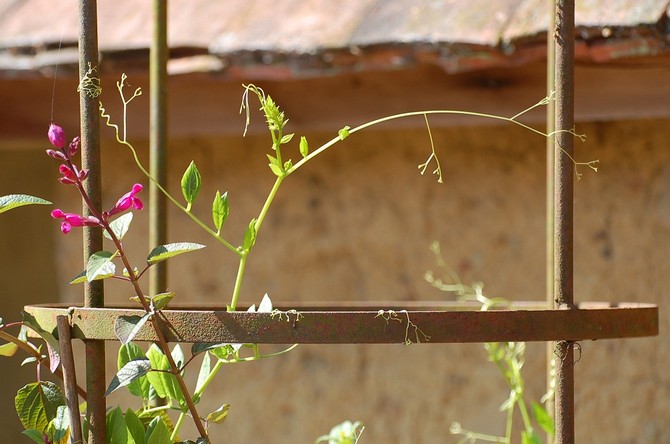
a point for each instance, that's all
(74, 146)
(56, 154)
(56, 136)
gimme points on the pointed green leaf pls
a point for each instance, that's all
(18, 200)
(59, 428)
(203, 374)
(119, 226)
(135, 427)
(160, 434)
(127, 327)
(8, 349)
(167, 251)
(344, 132)
(79, 279)
(129, 373)
(544, 420)
(117, 432)
(275, 165)
(250, 235)
(530, 437)
(304, 146)
(129, 352)
(37, 404)
(218, 415)
(100, 266)
(286, 138)
(158, 362)
(220, 210)
(161, 300)
(191, 182)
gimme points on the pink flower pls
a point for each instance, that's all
(74, 220)
(128, 200)
(71, 175)
(56, 136)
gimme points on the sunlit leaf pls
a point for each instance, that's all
(158, 433)
(59, 428)
(167, 251)
(161, 300)
(286, 138)
(135, 427)
(140, 386)
(220, 210)
(191, 182)
(127, 327)
(203, 374)
(18, 200)
(219, 415)
(119, 226)
(117, 432)
(100, 266)
(304, 146)
(129, 373)
(8, 349)
(250, 235)
(37, 404)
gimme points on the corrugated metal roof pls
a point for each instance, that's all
(299, 38)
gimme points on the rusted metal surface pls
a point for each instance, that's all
(94, 295)
(158, 140)
(69, 377)
(383, 324)
(564, 71)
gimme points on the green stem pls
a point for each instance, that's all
(268, 202)
(177, 426)
(238, 280)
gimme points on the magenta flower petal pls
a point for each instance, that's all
(74, 220)
(127, 201)
(56, 136)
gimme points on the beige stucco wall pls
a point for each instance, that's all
(357, 223)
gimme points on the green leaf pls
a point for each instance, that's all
(59, 428)
(344, 132)
(286, 138)
(129, 352)
(18, 200)
(79, 279)
(130, 372)
(8, 349)
(35, 435)
(127, 327)
(37, 404)
(53, 347)
(163, 252)
(100, 266)
(191, 182)
(304, 146)
(119, 226)
(162, 381)
(530, 437)
(275, 166)
(159, 434)
(250, 235)
(203, 374)
(199, 347)
(161, 300)
(135, 427)
(288, 165)
(219, 415)
(117, 432)
(220, 210)
(544, 420)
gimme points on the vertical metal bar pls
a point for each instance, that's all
(69, 378)
(551, 115)
(158, 142)
(563, 218)
(90, 158)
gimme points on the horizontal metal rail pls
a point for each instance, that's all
(381, 323)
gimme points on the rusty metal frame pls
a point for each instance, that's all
(380, 323)
(371, 322)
